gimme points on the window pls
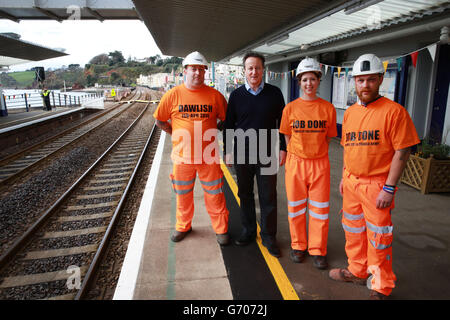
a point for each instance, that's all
(344, 93)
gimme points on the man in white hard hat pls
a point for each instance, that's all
(189, 112)
(377, 135)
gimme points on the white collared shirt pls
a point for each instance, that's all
(253, 92)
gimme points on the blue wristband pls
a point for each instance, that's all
(389, 189)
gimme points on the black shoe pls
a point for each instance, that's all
(273, 249)
(223, 239)
(320, 262)
(297, 256)
(179, 235)
(244, 240)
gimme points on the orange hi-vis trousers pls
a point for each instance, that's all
(211, 178)
(368, 231)
(308, 183)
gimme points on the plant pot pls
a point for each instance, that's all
(427, 175)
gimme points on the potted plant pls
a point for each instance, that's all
(428, 170)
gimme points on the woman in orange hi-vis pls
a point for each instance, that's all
(308, 124)
(189, 112)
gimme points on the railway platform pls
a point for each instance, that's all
(197, 268)
(20, 119)
(17, 119)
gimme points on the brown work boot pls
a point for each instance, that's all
(297, 256)
(346, 276)
(320, 262)
(375, 295)
(223, 239)
(179, 235)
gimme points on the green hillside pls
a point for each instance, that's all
(104, 69)
(24, 78)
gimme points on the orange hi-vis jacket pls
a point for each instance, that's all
(370, 136)
(309, 123)
(192, 114)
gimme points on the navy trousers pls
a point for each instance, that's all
(267, 194)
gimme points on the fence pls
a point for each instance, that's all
(27, 101)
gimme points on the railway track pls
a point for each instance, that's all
(15, 165)
(57, 257)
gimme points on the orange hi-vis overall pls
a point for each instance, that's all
(193, 115)
(307, 177)
(370, 136)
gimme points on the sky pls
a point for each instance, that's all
(83, 39)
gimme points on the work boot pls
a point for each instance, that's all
(297, 256)
(320, 262)
(375, 295)
(223, 239)
(346, 276)
(179, 235)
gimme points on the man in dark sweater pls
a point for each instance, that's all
(253, 119)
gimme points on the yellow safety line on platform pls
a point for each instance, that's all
(281, 279)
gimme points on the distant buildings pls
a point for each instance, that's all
(225, 78)
(159, 80)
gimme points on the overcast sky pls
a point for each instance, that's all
(83, 39)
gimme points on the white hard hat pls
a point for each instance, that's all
(308, 65)
(195, 58)
(367, 64)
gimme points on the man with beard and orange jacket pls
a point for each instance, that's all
(377, 135)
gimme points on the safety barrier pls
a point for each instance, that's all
(27, 101)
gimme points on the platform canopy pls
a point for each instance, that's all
(224, 30)
(60, 10)
(15, 51)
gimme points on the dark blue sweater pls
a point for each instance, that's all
(263, 111)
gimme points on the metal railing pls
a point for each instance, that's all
(28, 101)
